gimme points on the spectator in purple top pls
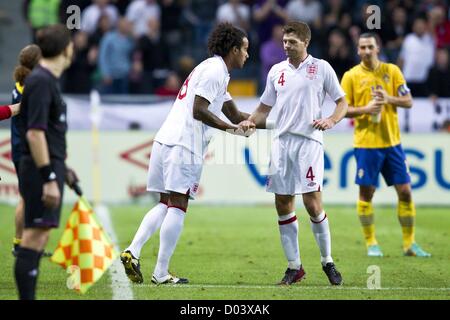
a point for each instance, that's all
(272, 52)
(267, 13)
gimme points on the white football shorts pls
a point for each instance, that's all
(173, 169)
(296, 165)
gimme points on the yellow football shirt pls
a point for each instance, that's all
(19, 88)
(358, 84)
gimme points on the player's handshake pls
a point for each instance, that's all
(245, 128)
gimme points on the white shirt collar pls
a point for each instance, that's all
(223, 63)
(307, 59)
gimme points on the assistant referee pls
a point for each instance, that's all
(42, 165)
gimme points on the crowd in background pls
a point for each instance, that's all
(150, 46)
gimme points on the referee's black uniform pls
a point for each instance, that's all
(42, 108)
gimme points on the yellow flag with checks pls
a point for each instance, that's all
(84, 250)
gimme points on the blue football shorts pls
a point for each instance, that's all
(390, 162)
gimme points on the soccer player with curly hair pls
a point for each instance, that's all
(179, 146)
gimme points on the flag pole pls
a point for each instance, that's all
(95, 138)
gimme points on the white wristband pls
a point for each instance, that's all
(270, 124)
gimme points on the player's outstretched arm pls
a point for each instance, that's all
(230, 110)
(15, 109)
(259, 116)
(9, 111)
(202, 114)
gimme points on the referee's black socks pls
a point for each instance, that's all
(26, 272)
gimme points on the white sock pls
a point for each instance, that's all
(321, 231)
(169, 234)
(288, 226)
(150, 224)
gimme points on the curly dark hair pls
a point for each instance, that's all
(223, 38)
(28, 58)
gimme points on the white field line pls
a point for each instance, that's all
(295, 287)
(119, 282)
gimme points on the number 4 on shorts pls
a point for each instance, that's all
(310, 174)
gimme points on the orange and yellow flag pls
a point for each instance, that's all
(84, 250)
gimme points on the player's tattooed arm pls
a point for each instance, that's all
(230, 110)
(202, 114)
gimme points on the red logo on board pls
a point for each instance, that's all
(6, 156)
(138, 155)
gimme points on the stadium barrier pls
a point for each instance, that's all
(148, 113)
(235, 168)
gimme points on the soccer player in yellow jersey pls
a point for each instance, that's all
(374, 90)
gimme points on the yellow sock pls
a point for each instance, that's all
(16, 240)
(406, 217)
(365, 214)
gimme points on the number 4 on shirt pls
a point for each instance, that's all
(281, 79)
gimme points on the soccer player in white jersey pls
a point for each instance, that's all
(296, 89)
(180, 145)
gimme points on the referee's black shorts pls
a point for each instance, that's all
(16, 166)
(30, 186)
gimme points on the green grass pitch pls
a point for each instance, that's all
(235, 253)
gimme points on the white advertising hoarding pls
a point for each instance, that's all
(425, 116)
(235, 168)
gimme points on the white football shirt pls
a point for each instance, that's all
(208, 80)
(297, 95)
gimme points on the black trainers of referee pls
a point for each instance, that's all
(333, 275)
(292, 276)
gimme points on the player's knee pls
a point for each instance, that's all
(282, 208)
(164, 198)
(404, 194)
(178, 200)
(35, 238)
(366, 194)
(284, 205)
(314, 208)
